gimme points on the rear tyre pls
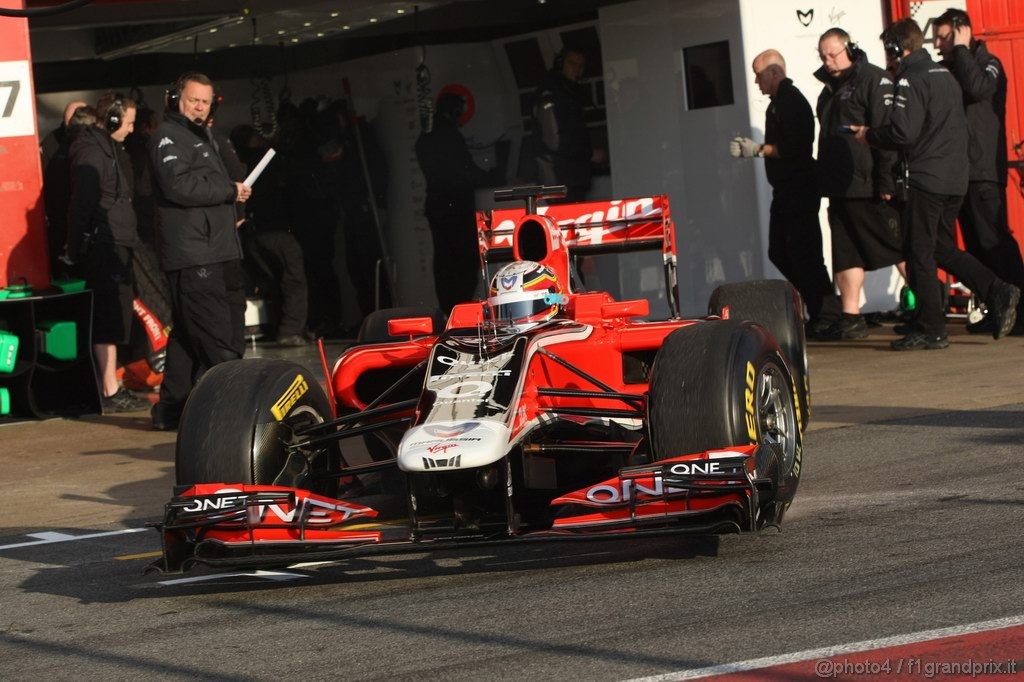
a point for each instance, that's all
(776, 306)
(240, 419)
(719, 384)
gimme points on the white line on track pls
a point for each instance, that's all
(51, 537)
(269, 575)
(832, 651)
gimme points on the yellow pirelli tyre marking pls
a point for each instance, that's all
(748, 394)
(796, 403)
(291, 396)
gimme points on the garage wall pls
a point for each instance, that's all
(659, 143)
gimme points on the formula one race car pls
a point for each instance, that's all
(544, 412)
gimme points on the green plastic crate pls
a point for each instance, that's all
(8, 351)
(59, 339)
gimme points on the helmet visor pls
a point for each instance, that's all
(537, 307)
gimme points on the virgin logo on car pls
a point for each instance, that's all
(450, 431)
(441, 449)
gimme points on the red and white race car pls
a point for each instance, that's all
(543, 412)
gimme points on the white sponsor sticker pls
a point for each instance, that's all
(16, 117)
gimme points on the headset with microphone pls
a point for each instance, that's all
(893, 48)
(174, 90)
(113, 117)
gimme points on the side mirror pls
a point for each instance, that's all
(410, 326)
(638, 308)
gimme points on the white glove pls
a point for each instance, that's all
(743, 146)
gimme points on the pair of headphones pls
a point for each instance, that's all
(174, 90)
(893, 48)
(114, 115)
(848, 43)
(958, 18)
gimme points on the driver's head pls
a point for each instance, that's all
(524, 294)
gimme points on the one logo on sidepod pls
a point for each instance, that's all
(450, 431)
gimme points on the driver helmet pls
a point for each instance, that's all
(524, 294)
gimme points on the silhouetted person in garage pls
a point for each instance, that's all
(55, 149)
(564, 150)
(452, 178)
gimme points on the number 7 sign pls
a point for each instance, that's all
(16, 117)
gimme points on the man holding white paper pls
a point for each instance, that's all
(197, 244)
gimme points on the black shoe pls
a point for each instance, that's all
(849, 328)
(123, 401)
(292, 341)
(1003, 309)
(853, 327)
(814, 327)
(165, 419)
(830, 332)
(918, 341)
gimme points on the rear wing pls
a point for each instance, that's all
(591, 228)
(617, 226)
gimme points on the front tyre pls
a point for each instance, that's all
(776, 306)
(241, 418)
(723, 383)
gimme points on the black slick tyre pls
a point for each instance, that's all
(775, 305)
(240, 419)
(720, 384)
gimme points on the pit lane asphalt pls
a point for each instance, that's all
(908, 518)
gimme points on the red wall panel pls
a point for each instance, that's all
(1000, 23)
(22, 222)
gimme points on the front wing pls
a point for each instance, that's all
(251, 525)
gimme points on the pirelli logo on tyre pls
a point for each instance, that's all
(291, 396)
(750, 378)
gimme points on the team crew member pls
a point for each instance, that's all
(197, 245)
(101, 236)
(56, 152)
(794, 233)
(928, 124)
(983, 220)
(859, 181)
(452, 177)
(564, 148)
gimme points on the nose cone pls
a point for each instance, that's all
(451, 446)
